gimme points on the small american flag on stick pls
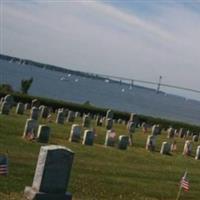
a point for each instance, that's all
(184, 183)
(3, 165)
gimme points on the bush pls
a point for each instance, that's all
(88, 108)
(6, 88)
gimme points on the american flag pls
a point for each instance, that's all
(3, 165)
(112, 134)
(184, 183)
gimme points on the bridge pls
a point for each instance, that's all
(157, 85)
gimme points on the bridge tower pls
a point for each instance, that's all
(159, 83)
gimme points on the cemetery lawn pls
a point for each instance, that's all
(99, 173)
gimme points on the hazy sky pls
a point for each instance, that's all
(139, 39)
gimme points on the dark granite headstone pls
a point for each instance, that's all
(88, 138)
(43, 133)
(75, 134)
(20, 108)
(123, 142)
(51, 175)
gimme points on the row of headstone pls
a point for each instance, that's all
(182, 133)
(166, 148)
(75, 135)
(34, 131)
(60, 119)
(89, 136)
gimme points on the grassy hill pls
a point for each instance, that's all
(99, 173)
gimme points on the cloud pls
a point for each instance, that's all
(100, 37)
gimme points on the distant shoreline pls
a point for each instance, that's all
(67, 71)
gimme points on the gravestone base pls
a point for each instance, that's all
(31, 194)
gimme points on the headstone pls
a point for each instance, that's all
(65, 111)
(187, 150)
(5, 108)
(119, 121)
(109, 114)
(10, 100)
(109, 123)
(75, 134)
(51, 175)
(35, 103)
(144, 127)
(44, 112)
(88, 138)
(131, 127)
(1, 100)
(99, 121)
(71, 116)
(195, 138)
(173, 146)
(131, 130)
(110, 138)
(188, 133)
(134, 118)
(176, 132)
(124, 122)
(123, 142)
(43, 133)
(20, 108)
(197, 157)
(182, 133)
(27, 106)
(86, 121)
(170, 132)
(156, 130)
(34, 113)
(165, 148)
(60, 117)
(30, 130)
(151, 143)
(77, 114)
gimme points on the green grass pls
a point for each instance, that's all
(98, 172)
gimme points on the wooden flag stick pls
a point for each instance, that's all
(179, 193)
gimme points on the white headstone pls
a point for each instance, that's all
(110, 138)
(197, 157)
(151, 143)
(187, 150)
(30, 130)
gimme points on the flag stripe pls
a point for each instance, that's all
(3, 169)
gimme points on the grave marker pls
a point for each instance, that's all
(20, 108)
(51, 175)
(43, 133)
(88, 138)
(165, 148)
(75, 134)
(123, 142)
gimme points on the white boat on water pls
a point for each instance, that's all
(63, 78)
(107, 81)
(76, 80)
